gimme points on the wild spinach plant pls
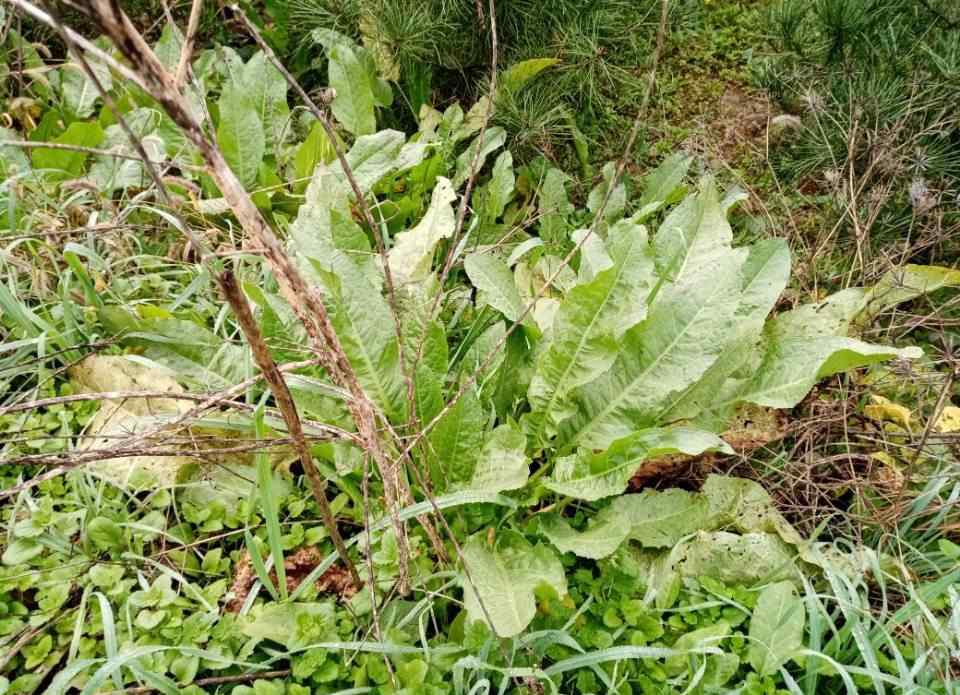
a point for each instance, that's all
(526, 357)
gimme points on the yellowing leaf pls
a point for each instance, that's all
(885, 410)
(949, 420)
(128, 417)
(412, 252)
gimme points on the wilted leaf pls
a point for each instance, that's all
(884, 410)
(121, 418)
(737, 559)
(412, 253)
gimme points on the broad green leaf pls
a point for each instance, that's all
(112, 173)
(709, 636)
(498, 191)
(683, 335)
(605, 532)
(412, 254)
(371, 158)
(456, 440)
(594, 258)
(502, 463)
(482, 349)
(554, 207)
(13, 160)
(690, 319)
(694, 237)
(744, 505)
(315, 150)
(493, 139)
(493, 279)
(589, 323)
(424, 336)
(594, 476)
(21, 551)
(499, 583)
(660, 519)
(663, 184)
(79, 91)
(169, 46)
(365, 326)
(352, 74)
(518, 75)
(240, 133)
(653, 518)
(67, 162)
(834, 316)
(776, 628)
(291, 624)
(266, 89)
(617, 201)
(193, 353)
(765, 275)
(906, 283)
(802, 346)
(792, 366)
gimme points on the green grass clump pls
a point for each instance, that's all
(875, 84)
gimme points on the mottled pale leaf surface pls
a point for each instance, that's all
(502, 463)
(493, 139)
(412, 253)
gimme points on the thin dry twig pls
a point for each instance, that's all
(92, 150)
(323, 117)
(186, 52)
(305, 301)
(77, 39)
(281, 394)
